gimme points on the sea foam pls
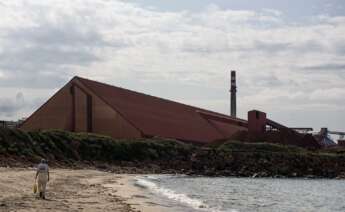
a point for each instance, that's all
(182, 198)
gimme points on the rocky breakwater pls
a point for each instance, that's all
(161, 156)
(267, 160)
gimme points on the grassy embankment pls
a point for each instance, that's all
(64, 149)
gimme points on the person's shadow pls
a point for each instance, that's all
(46, 199)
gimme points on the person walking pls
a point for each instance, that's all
(42, 177)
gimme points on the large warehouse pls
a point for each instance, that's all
(84, 105)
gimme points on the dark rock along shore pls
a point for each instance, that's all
(157, 155)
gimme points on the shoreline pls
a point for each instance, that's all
(163, 156)
(82, 190)
(70, 190)
(78, 190)
(137, 197)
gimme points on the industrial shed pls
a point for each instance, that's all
(84, 105)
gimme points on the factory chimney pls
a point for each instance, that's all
(233, 90)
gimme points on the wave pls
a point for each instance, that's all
(182, 198)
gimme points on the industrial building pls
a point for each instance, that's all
(84, 105)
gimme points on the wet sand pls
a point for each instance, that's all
(138, 197)
(72, 190)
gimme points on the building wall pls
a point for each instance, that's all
(54, 114)
(256, 122)
(57, 113)
(80, 110)
(107, 121)
(226, 129)
(69, 110)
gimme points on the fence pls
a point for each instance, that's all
(9, 124)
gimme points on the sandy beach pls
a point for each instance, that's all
(72, 190)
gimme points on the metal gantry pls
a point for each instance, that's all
(340, 134)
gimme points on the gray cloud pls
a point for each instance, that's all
(340, 47)
(334, 69)
(13, 108)
(264, 80)
(43, 44)
(40, 66)
(271, 47)
(310, 46)
(41, 58)
(64, 34)
(9, 107)
(340, 68)
(46, 54)
(52, 47)
(36, 80)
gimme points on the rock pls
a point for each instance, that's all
(263, 174)
(101, 166)
(341, 176)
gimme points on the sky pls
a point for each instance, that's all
(289, 55)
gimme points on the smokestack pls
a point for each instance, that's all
(233, 90)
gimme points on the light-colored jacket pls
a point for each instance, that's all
(42, 168)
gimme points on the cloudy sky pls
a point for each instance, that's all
(289, 55)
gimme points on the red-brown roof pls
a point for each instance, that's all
(159, 117)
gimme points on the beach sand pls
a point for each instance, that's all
(72, 190)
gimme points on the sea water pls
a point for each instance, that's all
(183, 193)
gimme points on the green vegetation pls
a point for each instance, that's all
(238, 146)
(232, 158)
(61, 146)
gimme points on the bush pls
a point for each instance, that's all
(260, 147)
(229, 158)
